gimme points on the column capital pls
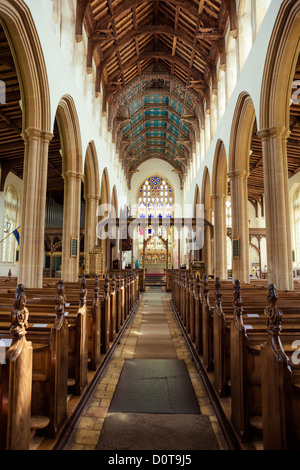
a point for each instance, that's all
(218, 196)
(91, 197)
(279, 131)
(31, 133)
(46, 136)
(236, 174)
(274, 131)
(37, 134)
(68, 175)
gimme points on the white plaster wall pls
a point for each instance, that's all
(249, 80)
(17, 183)
(68, 77)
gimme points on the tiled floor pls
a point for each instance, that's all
(88, 429)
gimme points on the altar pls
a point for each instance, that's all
(158, 268)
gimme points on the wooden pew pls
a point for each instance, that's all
(113, 310)
(16, 383)
(94, 328)
(49, 367)
(77, 329)
(77, 319)
(221, 345)
(246, 376)
(236, 336)
(280, 392)
(219, 318)
(105, 317)
(207, 329)
(198, 317)
(41, 303)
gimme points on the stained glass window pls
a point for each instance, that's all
(155, 198)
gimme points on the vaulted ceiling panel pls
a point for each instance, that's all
(149, 52)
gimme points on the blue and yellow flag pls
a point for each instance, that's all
(17, 234)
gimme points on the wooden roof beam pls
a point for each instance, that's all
(115, 35)
(201, 7)
(164, 56)
(80, 12)
(231, 6)
(187, 5)
(11, 124)
(150, 29)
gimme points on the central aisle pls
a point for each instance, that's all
(151, 396)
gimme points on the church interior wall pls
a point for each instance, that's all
(248, 82)
(88, 106)
(17, 184)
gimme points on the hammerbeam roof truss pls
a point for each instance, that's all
(155, 61)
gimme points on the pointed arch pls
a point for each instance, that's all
(241, 134)
(239, 165)
(69, 130)
(92, 197)
(91, 172)
(206, 189)
(72, 172)
(219, 193)
(26, 49)
(282, 57)
(196, 199)
(114, 200)
(219, 179)
(281, 61)
(105, 188)
(206, 200)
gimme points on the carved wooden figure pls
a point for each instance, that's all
(16, 381)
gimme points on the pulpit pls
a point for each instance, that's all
(94, 265)
(198, 269)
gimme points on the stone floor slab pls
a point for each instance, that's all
(157, 432)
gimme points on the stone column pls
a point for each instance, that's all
(277, 212)
(207, 252)
(240, 224)
(91, 221)
(33, 207)
(71, 226)
(220, 236)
